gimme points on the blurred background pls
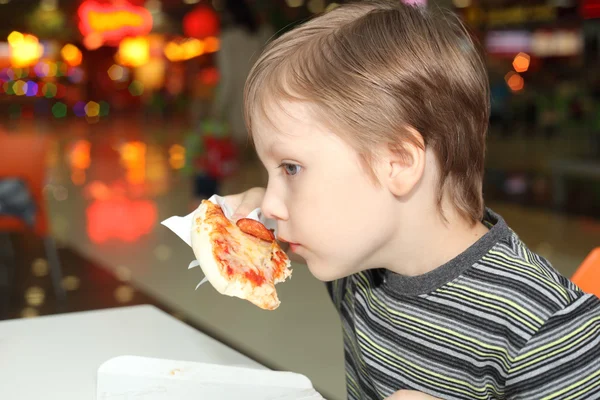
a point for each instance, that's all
(117, 114)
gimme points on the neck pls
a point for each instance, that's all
(427, 241)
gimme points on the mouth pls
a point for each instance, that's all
(293, 246)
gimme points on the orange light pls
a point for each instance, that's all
(514, 81)
(521, 62)
(93, 41)
(134, 52)
(177, 156)
(79, 156)
(133, 158)
(78, 177)
(72, 55)
(174, 52)
(211, 44)
(193, 48)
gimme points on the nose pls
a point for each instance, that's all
(273, 206)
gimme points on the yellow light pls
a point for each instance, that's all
(39, 267)
(174, 52)
(211, 44)
(25, 50)
(92, 109)
(177, 156)
(521, 62)
(193, 48)
(71, 283)
(134, 52)
(29, 312)
(15, 38)
(35, 296)
(124, 294)
(20, 88)
(71, 54)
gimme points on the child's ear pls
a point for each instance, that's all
(406, 164)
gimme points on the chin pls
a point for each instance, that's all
(326, 272)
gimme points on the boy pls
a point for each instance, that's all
(371, 123)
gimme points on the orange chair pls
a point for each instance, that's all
(587, 276)
(24, 157)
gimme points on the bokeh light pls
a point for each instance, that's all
(79, 109)
(92, 109)
(20, 88)
(104, 108)
(71, 283)
(59, 110)
(211, 44)
(134, 52)
(35, 296)
(116, 72)
(521, 62)
(71, 54)
(136, 88)
(514, 81)
(49, 90)
(32, 89)
(25, 50)
(39, 267)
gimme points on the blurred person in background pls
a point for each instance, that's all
(241, 41)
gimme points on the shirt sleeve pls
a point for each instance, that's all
(562, 359)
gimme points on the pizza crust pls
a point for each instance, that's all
(264, 296)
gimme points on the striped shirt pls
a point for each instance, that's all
(497, 322)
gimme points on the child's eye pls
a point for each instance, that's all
(291, 169)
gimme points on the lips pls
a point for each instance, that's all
(293, 246)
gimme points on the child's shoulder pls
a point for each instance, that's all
(526, 276)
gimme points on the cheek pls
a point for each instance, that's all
(340, 218)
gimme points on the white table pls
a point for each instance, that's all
(57, 357)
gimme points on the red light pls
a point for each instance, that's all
(201, 22)
(590, 9)
(120, 219)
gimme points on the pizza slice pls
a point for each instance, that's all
(242, 259)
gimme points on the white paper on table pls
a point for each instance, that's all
(142, 378)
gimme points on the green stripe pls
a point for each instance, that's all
(490, 347)
(574, 386)
(426, 372)
(556, 343)
(548, 282)
(500, 299)
(497, 308)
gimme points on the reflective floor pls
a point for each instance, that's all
(112, 183)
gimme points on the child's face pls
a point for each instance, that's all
(325, 204)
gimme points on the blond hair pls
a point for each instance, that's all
(376, 70)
